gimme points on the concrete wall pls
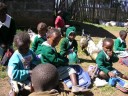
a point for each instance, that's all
(27, 13)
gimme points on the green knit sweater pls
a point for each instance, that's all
(65, 46)
(105, 64)
(37, 44)
(118, 45)
(50, 55)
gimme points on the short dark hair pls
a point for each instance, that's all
(44, 77)
(53, 30)
(110, 40)
(42, 26)
(21, 38)
(122, 32)
(3, 8)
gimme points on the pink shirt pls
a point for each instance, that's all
(59, 22)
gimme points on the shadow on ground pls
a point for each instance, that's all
(92, 30)
(85, 60)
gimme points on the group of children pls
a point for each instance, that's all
(43, 55)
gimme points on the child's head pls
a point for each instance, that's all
(123, 34)
(71, 33)
(108, 44)
(53, 37)
(22, 42)
(3, 11)
(42, 29)
(44, 77)
(60, 13)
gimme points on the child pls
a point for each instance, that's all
(105, 60)
(44, 79)
(7, 29)
(68, 47)
(50, 55)
(60, 23)
(120, 47)
(21, 62)
(36, 45)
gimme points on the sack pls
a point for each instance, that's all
(93, 71)
(119, 83)
(6, 57)
(122, 85)
(73, 58)
(83, 77)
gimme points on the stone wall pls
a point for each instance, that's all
(27, 13)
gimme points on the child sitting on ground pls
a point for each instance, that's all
(120, 47)
(105, 60)
(37, 44)
(44, 79)
(68, 46)
(50, 55)
(21, 62)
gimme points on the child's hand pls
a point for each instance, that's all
(111, 74)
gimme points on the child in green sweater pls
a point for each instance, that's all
(120, 47)
(37, 44)
(68, 46)
(105, 60)
(50, 55)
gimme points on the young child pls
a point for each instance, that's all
(120, 47)
(68, 46)
(105, 60)
(21, 62)
(60, 23)
(36, 45)
(7, 29)
(50, 55)
(44, 79)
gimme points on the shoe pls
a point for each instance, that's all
(77, 89)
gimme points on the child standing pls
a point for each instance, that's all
(21, 62)
(60, 23)
(50, 55)
(120, 47)
(37, 44)
(105, 60)
(7, 30)
(68, 47)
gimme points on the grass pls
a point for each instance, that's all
(3, 72)
(108, 28)
(85, 62)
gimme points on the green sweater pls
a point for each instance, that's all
(37, 44)
(65, 46)
(104, 64)
(118, 45)
(50, 55)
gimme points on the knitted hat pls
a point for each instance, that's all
(70, 30)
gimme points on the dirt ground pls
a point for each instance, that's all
(5, 87)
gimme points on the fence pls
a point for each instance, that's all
(83, 10)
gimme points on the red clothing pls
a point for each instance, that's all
(59, 22)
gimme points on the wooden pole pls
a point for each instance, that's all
(93, 14)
